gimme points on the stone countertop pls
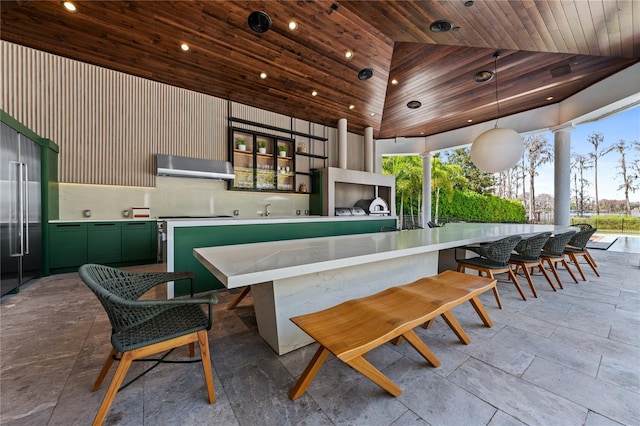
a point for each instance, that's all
(237, 220)
(246, 264)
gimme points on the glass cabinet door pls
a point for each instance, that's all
(285, 167)
(243, 165)
(265, 170)
(262, 162)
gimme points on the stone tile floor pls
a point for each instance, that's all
(567, 358)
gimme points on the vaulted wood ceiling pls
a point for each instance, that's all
(548, 48)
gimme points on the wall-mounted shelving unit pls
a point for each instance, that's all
(268, 162)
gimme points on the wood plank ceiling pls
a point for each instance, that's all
(548, 48)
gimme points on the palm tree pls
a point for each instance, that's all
(538, 153)
(444, 177)
(627, 180)
(596, 139)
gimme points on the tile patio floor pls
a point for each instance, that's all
(567, 358)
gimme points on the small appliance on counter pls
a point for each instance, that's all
(376, 207)
(350, 211)
(140, 212)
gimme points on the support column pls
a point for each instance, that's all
(342, 143)
(562, 174)
(426, 188)
(368, 149)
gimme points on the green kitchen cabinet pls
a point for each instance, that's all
(67, 245)
(138, 241)
(104, 242)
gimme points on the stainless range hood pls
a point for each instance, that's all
(173, 165)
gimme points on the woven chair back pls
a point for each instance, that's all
(532, 247)
(499, 251)
(116, 290)
(581, 238)
(556, 244)
(583, 226)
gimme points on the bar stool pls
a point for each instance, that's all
(527, 256)
(552, 253)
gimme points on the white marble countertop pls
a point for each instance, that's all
(238, 220)
(246, 264)
(267, 219)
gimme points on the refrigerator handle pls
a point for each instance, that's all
(25, 205)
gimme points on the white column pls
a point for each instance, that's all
(342, 143)
(368, 149)
(562, 174)
(426, 188)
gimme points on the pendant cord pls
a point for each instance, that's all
(495, 71)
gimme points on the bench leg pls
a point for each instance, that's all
(482, 313)
(309, 373)
(366, 369)
(239, 297)
(455, 326)
(423, 349)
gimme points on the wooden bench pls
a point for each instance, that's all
(353, 328)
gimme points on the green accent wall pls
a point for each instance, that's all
(188, 238)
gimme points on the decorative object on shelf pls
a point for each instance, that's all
(262, 147)
(302, 188)
(242, 144)
(302, 148)
(497, 149)
(282, 150)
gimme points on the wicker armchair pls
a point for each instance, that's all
(577, 246)
(493, 259)
(552, 253)
(141, 328)
(528, 256)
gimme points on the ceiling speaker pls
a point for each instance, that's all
(441, 26)
(259, 22)
(365, 74)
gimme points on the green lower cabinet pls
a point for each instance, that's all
(67, 245)
(104, 242)
(118, 243)
(138, 241)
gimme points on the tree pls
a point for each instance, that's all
(596, 139)
(476, 180)
(444, 177)
(537, 150)
(628, 180)
(408, 172)
(579, 164)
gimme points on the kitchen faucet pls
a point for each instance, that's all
(266, 210)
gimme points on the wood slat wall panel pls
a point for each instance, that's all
(108, 124)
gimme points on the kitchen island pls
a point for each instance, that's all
(181, 236)
(291, 278)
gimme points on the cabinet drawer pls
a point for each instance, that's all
(67, 245)
(104, 242)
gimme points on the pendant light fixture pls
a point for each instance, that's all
(497, 149)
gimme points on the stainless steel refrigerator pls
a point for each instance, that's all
(20, 209)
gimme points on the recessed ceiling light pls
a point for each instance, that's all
(263, 75)
(373, 114)
(469, 121)
(348, 54)
(549, 98)
(422, 133)
(293, 25)
(69, 6)
(414, 104)
(352, 106)
(184, 46)
(314, 93)
(394, 81)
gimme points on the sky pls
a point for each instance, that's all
(624, 125)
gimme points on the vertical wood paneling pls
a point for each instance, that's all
(109, 125)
